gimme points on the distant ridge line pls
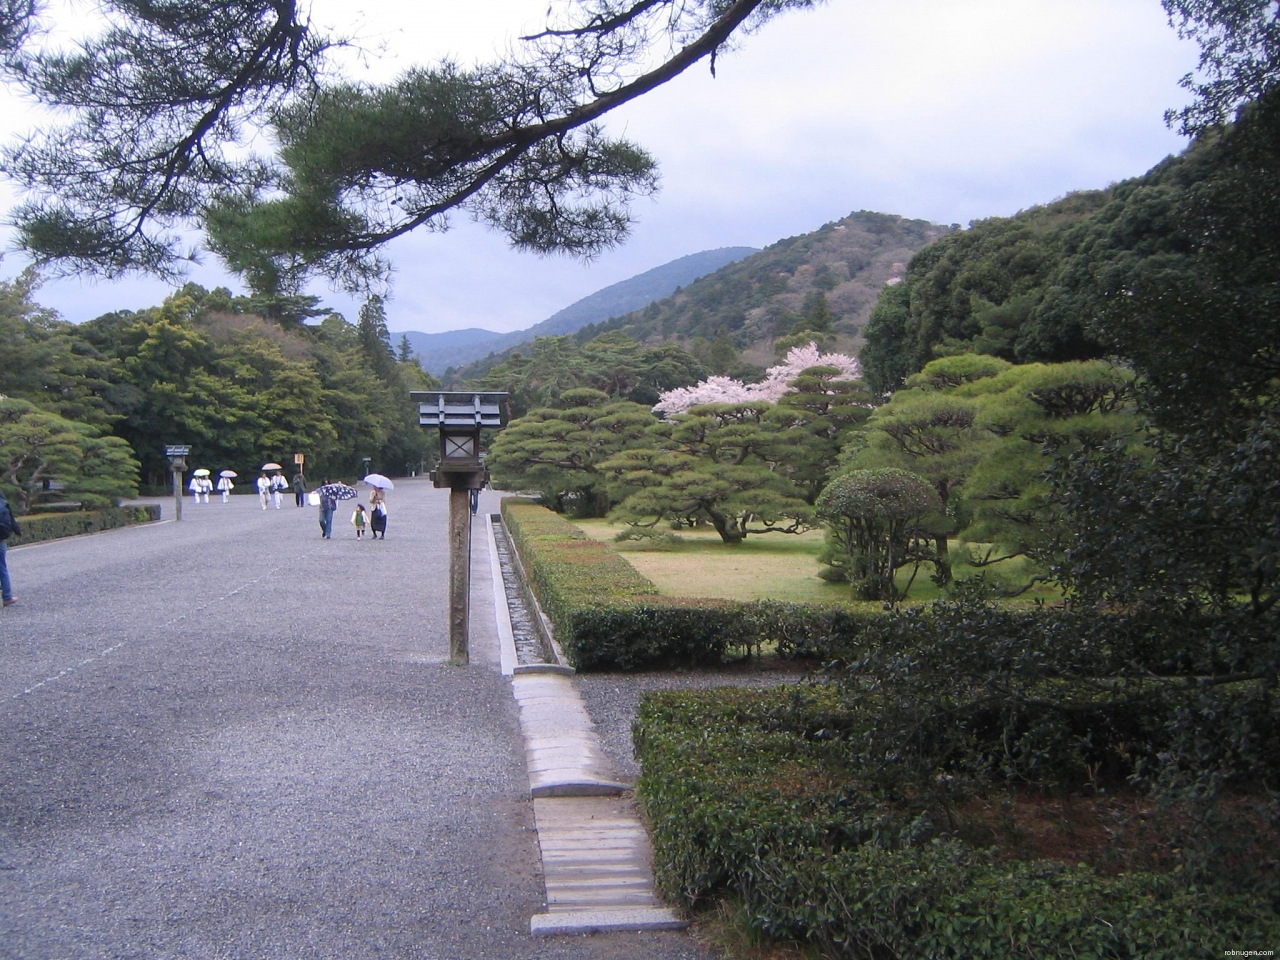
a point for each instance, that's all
(437, 352)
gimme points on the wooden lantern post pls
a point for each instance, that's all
(459, 416)
(177, 454)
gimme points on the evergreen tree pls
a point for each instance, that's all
(375, 339)
(47, 457)
(559, 451)
(716, 464)
(871, 518)
(157, 105)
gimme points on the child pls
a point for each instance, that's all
(358, 520)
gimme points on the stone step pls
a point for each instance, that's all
(596, 859)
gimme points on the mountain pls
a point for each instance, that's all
(827, 280)
(438, 352)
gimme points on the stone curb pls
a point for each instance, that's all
(605, 921)
(564, 762)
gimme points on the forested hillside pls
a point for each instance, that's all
(1176, 271)
(825, 282)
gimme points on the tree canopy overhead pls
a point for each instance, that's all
(1239, 56)
(159, 101)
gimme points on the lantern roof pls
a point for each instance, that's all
(458, 409)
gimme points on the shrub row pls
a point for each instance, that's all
(607, 616)
(37, 527)
(747, 796)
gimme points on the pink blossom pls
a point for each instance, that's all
(776, 383)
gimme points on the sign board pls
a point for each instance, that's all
(298, 458)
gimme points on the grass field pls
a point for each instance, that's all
(768, 567)
(763, 567)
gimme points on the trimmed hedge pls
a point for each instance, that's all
(607, 616)
(755, 794)
(37, 527)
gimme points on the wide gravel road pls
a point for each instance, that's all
(229, 738)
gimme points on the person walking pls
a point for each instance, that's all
(264, 489)
(196, 486)
(299, 489)
(327, 506)
(278, 485)
(359, 520)
(8, 526)
(378, 519)
(225, 486)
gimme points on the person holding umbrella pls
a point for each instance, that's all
(330, 494)
(264, 489)
(8, 526)
(225, 486)
(200, 485)
(327, 505)
(378, 503)
(378, 517)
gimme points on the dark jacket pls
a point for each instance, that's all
(8, 522)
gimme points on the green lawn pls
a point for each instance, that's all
(763, 567)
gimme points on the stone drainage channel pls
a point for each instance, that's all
(596, 859)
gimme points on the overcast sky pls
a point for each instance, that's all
(944, 110)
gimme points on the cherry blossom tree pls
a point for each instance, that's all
(776, 384)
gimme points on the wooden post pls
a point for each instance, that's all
(459, 417)
(459, 572)
(177, 493)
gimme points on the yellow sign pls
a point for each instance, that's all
(298, 458)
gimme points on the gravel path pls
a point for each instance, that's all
(229, 738)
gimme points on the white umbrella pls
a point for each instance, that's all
(272, 466)
(228, 473)
(202, 472)
(379, 481)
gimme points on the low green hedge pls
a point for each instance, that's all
(37, 527)
(607, 616)
(755, 794)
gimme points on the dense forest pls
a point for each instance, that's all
(1175, 271)
(86, 410)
